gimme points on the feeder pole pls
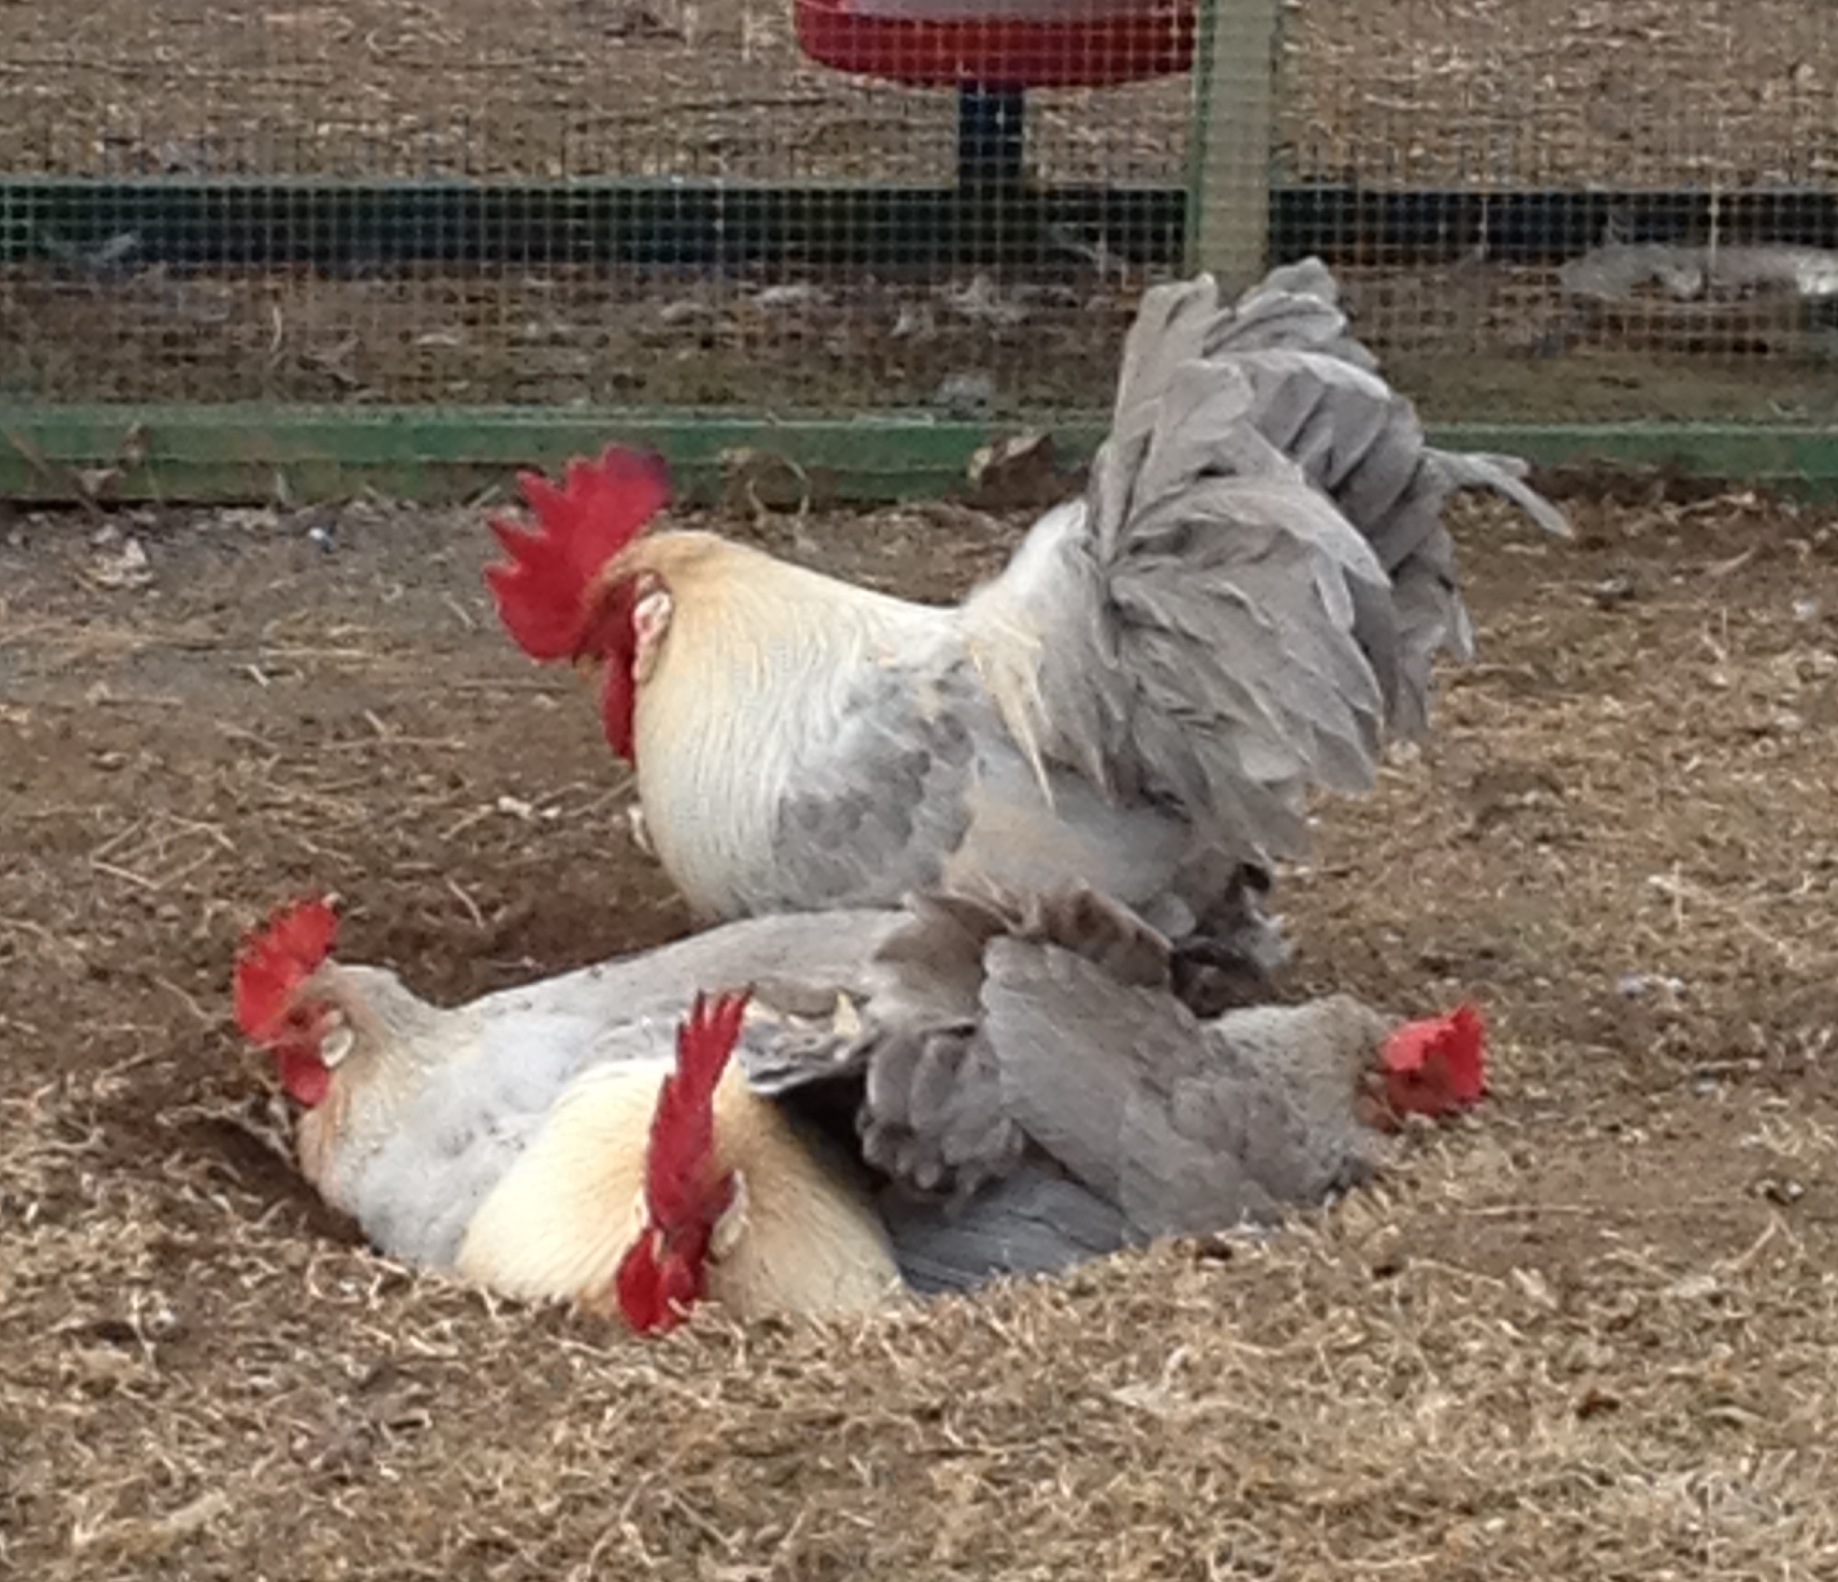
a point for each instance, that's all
(990, 132)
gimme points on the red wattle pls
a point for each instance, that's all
(611, 636)
(304, 1075)
(655, 1294)
(619, 711)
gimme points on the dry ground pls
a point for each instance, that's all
(1587, 1335)
(1636, 93)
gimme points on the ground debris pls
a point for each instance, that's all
(1589, 1335)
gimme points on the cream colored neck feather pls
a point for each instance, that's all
(393, 1043)
(757, 666)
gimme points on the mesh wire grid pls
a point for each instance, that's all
(1638, 199)
(1538, 209)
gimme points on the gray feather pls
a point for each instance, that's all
(1244, 643)
(1504, 476)
(1076, 1056)
(1034, 1222)
(1361, 443)
(1186, 1126)
(1255, 591)
(876, 810)
(931, 1113)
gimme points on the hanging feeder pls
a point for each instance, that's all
(993, 51)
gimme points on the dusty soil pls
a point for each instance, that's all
(1514, 92)
(1587, 1334)
(1640, 93)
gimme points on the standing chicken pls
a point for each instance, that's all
(1140, 701)
(962, 1090)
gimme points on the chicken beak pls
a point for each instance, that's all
(1372, 1104)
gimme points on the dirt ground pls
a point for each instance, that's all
(1487, 93)
(1514, 92)
(1586, 1334)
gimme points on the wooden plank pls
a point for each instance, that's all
(109, 227)
(114, 226)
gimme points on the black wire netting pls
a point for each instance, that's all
(1623, 209)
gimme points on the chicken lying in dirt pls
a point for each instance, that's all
(923, 1100)
(1246, 600)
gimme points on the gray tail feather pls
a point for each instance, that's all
(1307, 277)
(1036, 1222)
(1504, 476)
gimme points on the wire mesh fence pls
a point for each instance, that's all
(1538, 208)
(1653, 198)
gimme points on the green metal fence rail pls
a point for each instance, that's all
(222, 454)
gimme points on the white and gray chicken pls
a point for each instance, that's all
(1242, 607)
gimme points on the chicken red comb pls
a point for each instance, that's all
(275, 960)
(1437, 1065)
(599, 509)
(683, 1127)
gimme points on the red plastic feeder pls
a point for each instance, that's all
(993, 51)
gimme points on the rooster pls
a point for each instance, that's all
(922, 1100)
(1245, 601)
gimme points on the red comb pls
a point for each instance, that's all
(599, 509)
(275, 960)
(683, 1128)
(1437, 1065)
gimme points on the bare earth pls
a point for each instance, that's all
(1637, 93)
(1587, 1334)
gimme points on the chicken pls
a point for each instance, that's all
(1035, 1092)
(924, 1099)
(1140, 701)
(508, 1140)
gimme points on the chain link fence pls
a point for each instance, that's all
(1607, 210)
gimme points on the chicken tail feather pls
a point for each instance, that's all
(1504, 476)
